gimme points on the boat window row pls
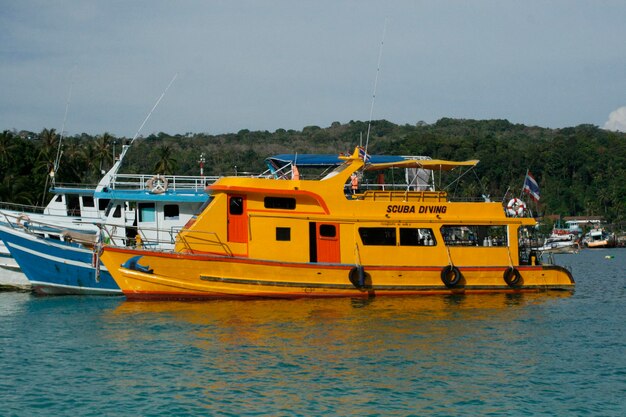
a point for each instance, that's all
(388, 236)
(474, 235)
(284, 203)
(461, 235)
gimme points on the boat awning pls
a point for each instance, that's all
(139, 195)
(72, 190)
(321, 160)
(433, 164)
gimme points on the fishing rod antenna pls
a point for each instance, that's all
(57, 160)
(380, 54)
(153, 108)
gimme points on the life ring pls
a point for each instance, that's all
(512, 277)
(516, 207)
(157, 184)
(357, 277)
(451, 276)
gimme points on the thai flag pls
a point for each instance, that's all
(363, 155)
(531, 187)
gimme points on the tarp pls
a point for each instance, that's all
(433, 164)
(321, 160)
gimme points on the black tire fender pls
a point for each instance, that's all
(357, 277)
(450, 276)
(512, 276)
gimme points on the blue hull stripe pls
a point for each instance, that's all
(79, 264)
(54, 267)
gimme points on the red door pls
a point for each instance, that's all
(237, 219)
(328, 242)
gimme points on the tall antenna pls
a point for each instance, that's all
(57, 160)
(108, 177)
(153, 107)
(380, 54)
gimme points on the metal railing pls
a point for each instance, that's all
(174, 182)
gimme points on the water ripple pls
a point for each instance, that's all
(493, 355)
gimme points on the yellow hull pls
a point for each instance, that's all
(184, 276)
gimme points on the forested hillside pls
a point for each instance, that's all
(581, 170)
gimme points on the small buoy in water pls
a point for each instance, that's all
(609, 257)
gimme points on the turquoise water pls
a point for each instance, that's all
(555, 354)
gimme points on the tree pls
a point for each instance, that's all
(102, 150)
(166, 163)
(7, 146)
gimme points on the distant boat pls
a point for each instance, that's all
(561, 241)
(290, 238)
(599, 238)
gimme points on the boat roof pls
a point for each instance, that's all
(72, 190)
(374, 162)
(188, 196)
(324, 160)
(433, 164)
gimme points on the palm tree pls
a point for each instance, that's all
(102, 150)
(17, 189)
(49, 141)
(7, 145)
(88, 156)
(166, 163)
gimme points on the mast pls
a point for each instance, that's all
(380, 54)
(108, 178)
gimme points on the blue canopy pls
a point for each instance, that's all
(319, 160)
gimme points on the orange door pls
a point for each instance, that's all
(237, 219)
(328, 242)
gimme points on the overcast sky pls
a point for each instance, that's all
(264, 65)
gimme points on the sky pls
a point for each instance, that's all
(95, 66)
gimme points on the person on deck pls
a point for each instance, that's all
(354, 183)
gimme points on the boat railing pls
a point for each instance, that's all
(73, 185)
(379, 195)
(159, 239)
(174, 182)
(207, 239)
(49, 230)
(21, 207)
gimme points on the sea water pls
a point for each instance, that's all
(529, 354)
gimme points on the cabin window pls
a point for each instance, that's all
(147, 212)
(474, 235)
(378, 236)
(236, 205)
(118, 211)
(103, 204)
(280, 203)
(59, 198)
(171, 212)
(410, 236)
(88, 201)
(283, 233)
(328, 230)
(73, 205)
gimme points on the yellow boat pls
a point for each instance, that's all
(273, 237)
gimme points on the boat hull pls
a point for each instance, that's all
(57, 268)
(156, 275)
(11, 276)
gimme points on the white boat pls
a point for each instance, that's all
(560, 241)
(136, 207)
(11, 277)
(599, 238)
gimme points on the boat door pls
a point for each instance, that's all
(237, 219)
(326, 242)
